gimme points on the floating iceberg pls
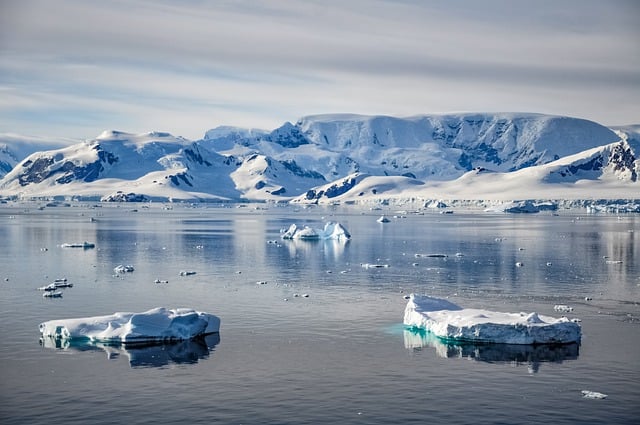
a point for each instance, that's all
(451, 322)
(156, 325)
(332, 230)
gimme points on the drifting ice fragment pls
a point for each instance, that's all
(375, 266)
(123, 269)
(593, 394)
(156, 325)
(563, 308)
(451, 322)
(85, 245)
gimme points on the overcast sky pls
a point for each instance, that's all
(73, 68)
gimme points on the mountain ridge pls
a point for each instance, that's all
(320, 151)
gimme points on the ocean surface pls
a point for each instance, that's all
(320, 340)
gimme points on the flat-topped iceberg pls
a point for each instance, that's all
(156, 325)
(451, 322)
(331, 230)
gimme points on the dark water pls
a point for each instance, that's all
(339, 355)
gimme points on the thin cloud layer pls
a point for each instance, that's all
(73, 68)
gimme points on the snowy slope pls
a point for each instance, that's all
(122, 166)
(429, 147)
(608, 172)
(14, 148)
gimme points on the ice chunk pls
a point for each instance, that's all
(156, 325)
(451, 322)
(592, 394)
(85, 245)
(123, 268)
(331, 230)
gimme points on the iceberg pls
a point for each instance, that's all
(451, 322)
(156, 325)
(331, 230)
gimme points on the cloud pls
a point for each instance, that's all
(75, 67)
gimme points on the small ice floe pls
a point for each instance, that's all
(160, 281)
(459, 254)
(52, 294)
(563, 308)
(588, 298)
(519, 264)
(613, 262)
(305, 295)
(549, 263)
(187, 273)
(383, 219)
(451, 322)
(331, 231)
(593, 394)
(374, 266)
(123, 268)
(85, 245)
(155, 325)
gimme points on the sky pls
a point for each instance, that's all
(73, 68)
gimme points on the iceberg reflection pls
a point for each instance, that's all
(145, 355)
(529, 355)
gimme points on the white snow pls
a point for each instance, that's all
(331, 230)
(452, 322)
(155, 325)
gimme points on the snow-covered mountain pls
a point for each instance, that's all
(14, 148)
(433, 147)
(124, 167)
(350, 158)
(608, 172)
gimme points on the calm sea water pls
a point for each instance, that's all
(339, 355)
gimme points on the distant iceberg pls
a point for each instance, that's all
(451, 322)
(156, 325)
(332, 230)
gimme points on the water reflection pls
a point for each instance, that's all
(146, 355)
(529, 355)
